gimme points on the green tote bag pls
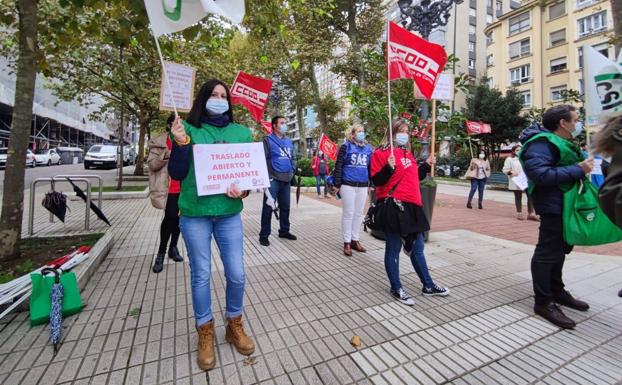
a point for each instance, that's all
(585, 223)
(40, 298)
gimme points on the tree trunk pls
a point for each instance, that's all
(13, 193)
(302, 130)
(140, 159)
(353, 36)
(317, 98)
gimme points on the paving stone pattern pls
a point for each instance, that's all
(305, 300)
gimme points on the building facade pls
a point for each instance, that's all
(538, 48)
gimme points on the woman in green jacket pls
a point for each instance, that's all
(210, 121)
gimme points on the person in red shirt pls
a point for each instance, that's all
(164, 194)
(396, 175)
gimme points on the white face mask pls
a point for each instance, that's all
(482, 156)
(578, 129)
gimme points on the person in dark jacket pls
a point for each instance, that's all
(608, 142)
(281, 165)
(541, 156)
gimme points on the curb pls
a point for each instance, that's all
(86, 269)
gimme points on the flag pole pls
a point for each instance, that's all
(389, 84)
(433, 139)
(166, 79)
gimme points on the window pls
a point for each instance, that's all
(488, 39)
(520, 74)
(557, 10)
(520, 23)
(489, 61)
(520, 48)
(592, 24)
(473, 12)
(472, 64)
(580, 86)
(488, 19)
(491, 82)
(585, 3)
(526, 96)
(472, 29)
(558, 37)
(603, 48)
(499, 8)
(558, 64)
(489, 3)
(471, 46)
(557, 93)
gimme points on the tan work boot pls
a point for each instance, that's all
(206, 357)
(235, 335)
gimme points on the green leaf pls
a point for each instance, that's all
(295, 64)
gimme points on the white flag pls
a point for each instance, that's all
(603, 85)
(229, 9)
(168, 16)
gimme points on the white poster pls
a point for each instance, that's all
(181, 79)
(217, 166)
(443, 89)
(521, 181)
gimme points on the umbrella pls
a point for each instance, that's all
(272, 203)
(56, 203)
(56, 314)
(95, 209)
(298, 187)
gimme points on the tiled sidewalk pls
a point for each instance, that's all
(304, 301)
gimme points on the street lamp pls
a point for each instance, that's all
(424, 18)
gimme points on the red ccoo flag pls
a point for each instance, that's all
(328, 147)
(251, 92)
(476, 128)
(411, 57)
(267, 126)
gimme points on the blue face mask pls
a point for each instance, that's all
(217, 106)
(283, 128)
(360, 136)
(401, 139)
(578, 129)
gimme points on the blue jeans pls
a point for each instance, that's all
(228, 233)
(281, 193)
(318, 183)
(477, 184)
(417, 258)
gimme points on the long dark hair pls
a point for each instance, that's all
(198, 107)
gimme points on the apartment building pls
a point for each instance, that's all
(538, 48)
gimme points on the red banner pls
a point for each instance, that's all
(476, 128)
(328, 147)
(411, 57)
(251, 92)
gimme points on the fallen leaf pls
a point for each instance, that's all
(250, 361)
(356, 341)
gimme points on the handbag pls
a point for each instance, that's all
(376, 213)
(40, 302)
(585, 223)
(471, 172)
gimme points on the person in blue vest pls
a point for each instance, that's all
(352, 183)
(281, 165)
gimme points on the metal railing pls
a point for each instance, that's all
(100, 184)
(33, 186)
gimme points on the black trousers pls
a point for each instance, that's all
(169, 229)
(548, 259)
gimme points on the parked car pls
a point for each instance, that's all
(48, 157)
(446, 170)
(30, 158)
(101, 156)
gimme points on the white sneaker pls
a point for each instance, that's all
(319, 197)
(401, 296)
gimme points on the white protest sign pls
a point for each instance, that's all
(443, 89)
(217, 166)
(521, 181)
(181, 79)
